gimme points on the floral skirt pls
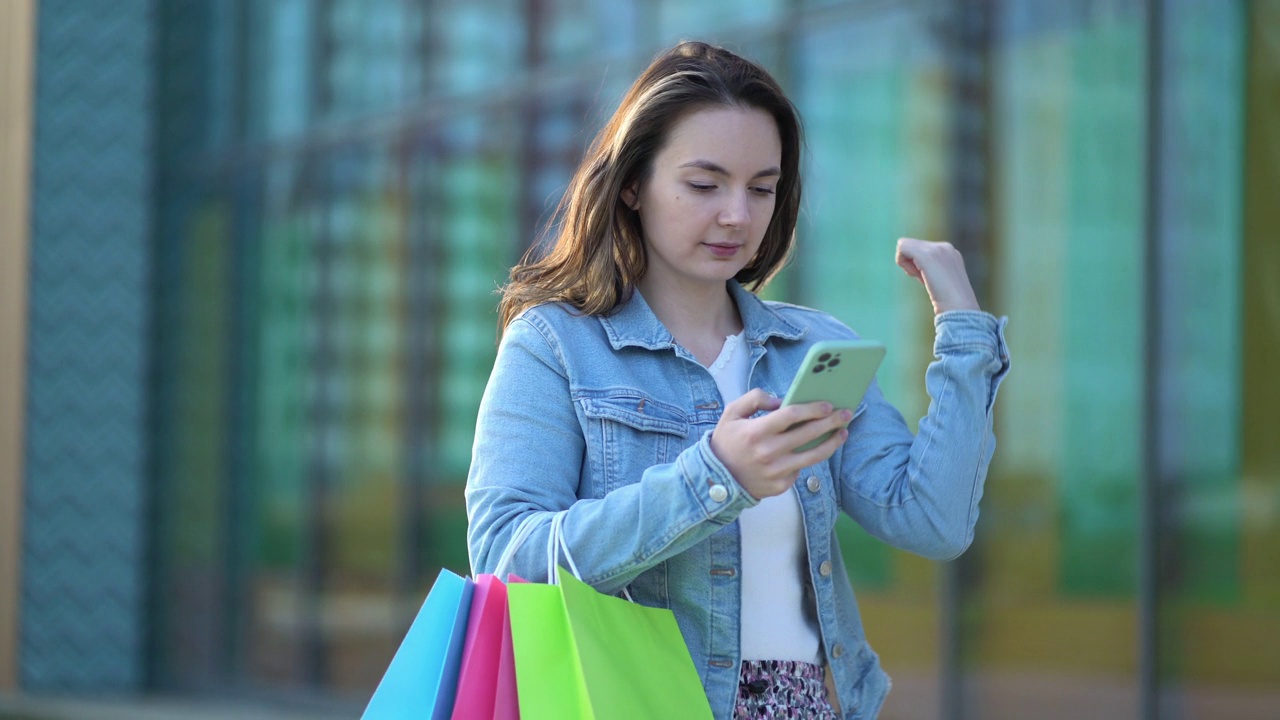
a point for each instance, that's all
(782, 689)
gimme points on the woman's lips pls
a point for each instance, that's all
(722, 250)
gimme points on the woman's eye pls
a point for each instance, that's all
(700, 187)
(764, 191)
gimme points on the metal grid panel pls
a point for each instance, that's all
(82, 589)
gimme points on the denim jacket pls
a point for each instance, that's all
(608, 419)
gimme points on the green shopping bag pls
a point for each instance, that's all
(549, 682)
(635, 652)
(587, 656)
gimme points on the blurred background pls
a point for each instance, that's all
(248, 253)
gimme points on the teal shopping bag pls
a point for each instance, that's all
(422, 678)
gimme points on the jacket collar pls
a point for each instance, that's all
(634, 324)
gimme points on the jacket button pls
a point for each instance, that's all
(837, 650)
(814, 483)
(825, 568)
(718, 493)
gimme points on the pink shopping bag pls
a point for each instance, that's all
(506, 700)
(487, 679)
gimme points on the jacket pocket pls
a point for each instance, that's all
(637, 411)
(627, 433)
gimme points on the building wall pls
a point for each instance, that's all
(84, 504)
(380, 216)
(340, 186)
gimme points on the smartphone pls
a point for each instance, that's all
(837, 371)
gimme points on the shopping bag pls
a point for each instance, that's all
(422, 678)
(478, 672)
(506, 702)
(549, 681)
(633, 654)
(588, 656)
(486, 688)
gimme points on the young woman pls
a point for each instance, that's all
(636, 392)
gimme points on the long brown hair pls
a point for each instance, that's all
(599, 254)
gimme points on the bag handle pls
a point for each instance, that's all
(555, 546)
(522, 534)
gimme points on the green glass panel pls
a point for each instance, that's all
(480, 221)
(1102, 308)
(876, 127)
(1052, 592)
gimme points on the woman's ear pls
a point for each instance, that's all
(631, 197)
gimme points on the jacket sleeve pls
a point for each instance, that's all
(526, 466)
(920, 493)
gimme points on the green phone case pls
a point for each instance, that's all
(837, 371)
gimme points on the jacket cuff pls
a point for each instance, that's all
(970, 331)
(712, 485)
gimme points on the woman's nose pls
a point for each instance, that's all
(735, 211)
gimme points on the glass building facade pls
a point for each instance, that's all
(340, 186)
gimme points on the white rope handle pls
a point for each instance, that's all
(555, 546)
(522, 534)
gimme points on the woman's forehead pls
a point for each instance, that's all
(735, 140)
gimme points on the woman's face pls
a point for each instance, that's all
(708, 201)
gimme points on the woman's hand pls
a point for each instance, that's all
(760, 452)
(940, 268)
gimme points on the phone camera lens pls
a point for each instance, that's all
(824, 357)
(819, 368)
(834, 362)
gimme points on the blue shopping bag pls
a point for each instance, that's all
(423, 676)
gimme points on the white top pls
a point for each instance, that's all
(775, 625)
